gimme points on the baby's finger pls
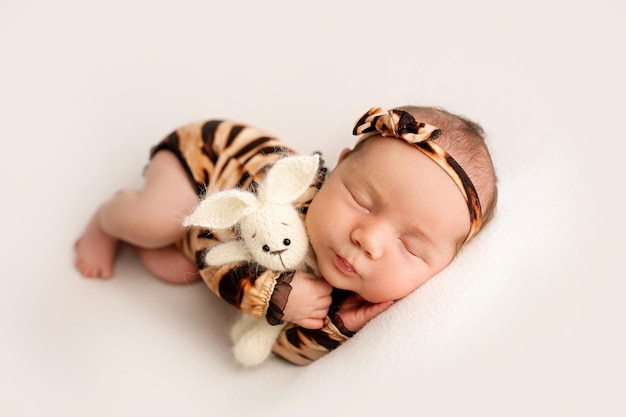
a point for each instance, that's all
(376, 309)
(323, 285)
(311, 323)
(325, 301)
(320, 313)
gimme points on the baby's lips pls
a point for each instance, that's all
(344, 265)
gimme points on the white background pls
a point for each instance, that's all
(529, 321)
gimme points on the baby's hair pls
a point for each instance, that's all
(464, 140)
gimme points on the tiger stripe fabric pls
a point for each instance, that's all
(219, 155)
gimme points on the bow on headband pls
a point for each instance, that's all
(402, 125)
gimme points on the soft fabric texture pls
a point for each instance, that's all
(529, 319)
(271, 233)
(252, 183)
(271, 230)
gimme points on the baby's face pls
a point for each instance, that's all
(386, 220)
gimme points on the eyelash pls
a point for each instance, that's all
(406, 248)
(412, 253)
(363, 206)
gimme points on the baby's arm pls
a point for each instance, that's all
(354, 313)
(246, 286)
(303, 346)
(294, 297)
(308, 301)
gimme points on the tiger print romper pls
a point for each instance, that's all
(219, 155)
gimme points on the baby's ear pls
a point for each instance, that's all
(221, 210)
(344, 152)
(289, 178)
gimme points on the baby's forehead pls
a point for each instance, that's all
(395, 161)
(381, 149)
(380, 129)
(406, 186)
(389, 163)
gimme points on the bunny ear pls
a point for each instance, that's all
(289, 178)
(221, 210)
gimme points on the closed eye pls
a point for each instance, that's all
(409, 249)
(358, 202)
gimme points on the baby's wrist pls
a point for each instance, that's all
(278, 300)
(335, 318)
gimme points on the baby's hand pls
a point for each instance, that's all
(354, 312)
(308, 301)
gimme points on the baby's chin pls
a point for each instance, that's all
(377, 298)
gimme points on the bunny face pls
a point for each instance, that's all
(276, 238)
(272, 232)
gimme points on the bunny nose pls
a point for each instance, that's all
(266, 248)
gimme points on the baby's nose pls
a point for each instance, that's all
(370, 241)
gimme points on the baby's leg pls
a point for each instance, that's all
(150, 218)
(169, 264)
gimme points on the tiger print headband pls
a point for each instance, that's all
(402, 125)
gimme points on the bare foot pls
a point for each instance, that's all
(95, 251)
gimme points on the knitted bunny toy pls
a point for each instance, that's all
(272, 234)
